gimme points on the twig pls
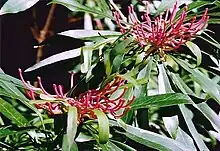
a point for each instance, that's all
(44, 31)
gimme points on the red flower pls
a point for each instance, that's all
(85, 102)
(164, 32)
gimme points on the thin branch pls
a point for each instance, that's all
(44, 32)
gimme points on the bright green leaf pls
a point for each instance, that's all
(161, 100)
(11, 113)
(87, 59)
(72, 119)
(103, 126)
(76, 6)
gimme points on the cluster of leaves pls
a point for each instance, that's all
(171, 96)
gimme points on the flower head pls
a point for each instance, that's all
(165, 32)
(85, 102)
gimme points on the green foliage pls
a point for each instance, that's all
(15, 6)
(166, 84)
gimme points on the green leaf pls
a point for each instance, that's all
(207, 84)
(15, 6)
(123, 146)
(143, 74)
(211, 41)
(163, 81)
(193, 5)
(14, 92)
(90, 34)
(152, 139)
(210, 115)
(83, 137)
(72, 119)
(103, 126)
(11, 113)
(109, 146)
(107, 62)
(164, 5)
(188, 115)
(202, 107)
(171, 124)
(87, 59)
(56, 58)
(65, 145)
(185, 139)
(195, 50)
(116, 64)
(161, 100)
(76, 6)
(7, 132)
(8, 78)
(214, 21)
(102, 4)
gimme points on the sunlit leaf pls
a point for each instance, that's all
(143, 74)
(72, 119)
(171, 124)
(210, 115)
(103, 126)
(14, 6)
(193, 5)
(202, 107)
(188, 115)
(185, 139)
(56, 58)
(89, 34)
(152, 139)
(195, 50)
(82, 137)
(163, 81)
(207, 84)
(164, 5)
(87, 59)
(76, 6)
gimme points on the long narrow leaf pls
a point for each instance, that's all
(14, 6)
(11, 113)
(56, 58)
(103, 126)
(187, 114)
(161, 100)
(71, 129)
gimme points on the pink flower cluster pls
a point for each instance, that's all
(85, 102)
(166, 32)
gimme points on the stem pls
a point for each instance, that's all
(44, 31)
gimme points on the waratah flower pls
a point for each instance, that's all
(85, 102)
(166, 32)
